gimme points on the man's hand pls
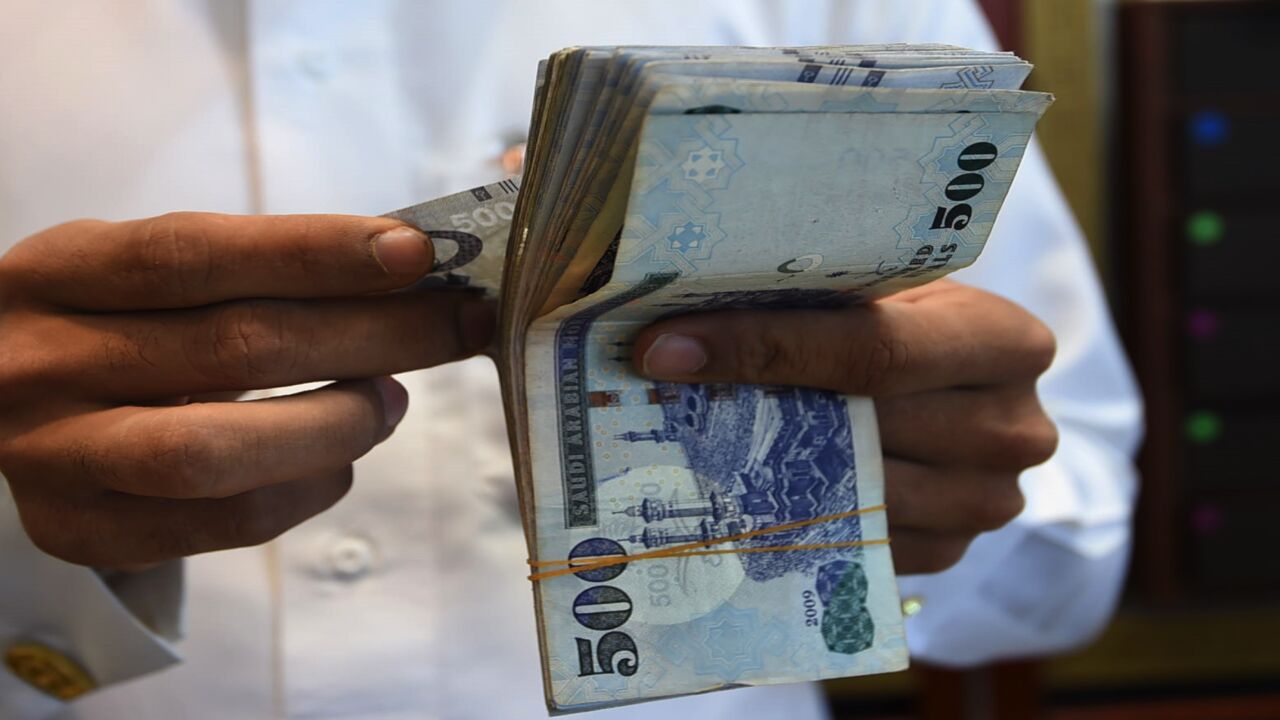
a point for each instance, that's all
(953, 373)
(107, 330)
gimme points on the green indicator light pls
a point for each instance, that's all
(1203, 427)
(1205, 228)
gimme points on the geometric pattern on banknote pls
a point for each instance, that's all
(680, 232)
(846, 623)
(726, 643)
(573, 688)
(970, 128)
(691, 167)
(981, 77)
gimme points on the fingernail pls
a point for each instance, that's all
(477, 320)
(403, 251)
(674, 355)
(395, 400)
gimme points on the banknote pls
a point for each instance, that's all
(682, 93)
(727, 210)
(690, 538)
(469, 232)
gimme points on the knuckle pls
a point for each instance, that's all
(873, 368)
(175, 255)
(303, 251)
(1040, 346)
(84, 459)
(1023, 443)
(1000, 506)
(1042, 441)
(760, 354)
(247, 342)
(1034, 441)
(180, 461)
(128, 351)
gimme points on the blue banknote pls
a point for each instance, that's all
(665, 181)
(762, 197)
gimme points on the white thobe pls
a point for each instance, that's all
(409, 598)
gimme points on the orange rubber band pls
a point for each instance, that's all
(698, 548)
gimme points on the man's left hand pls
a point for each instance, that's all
(953, 372)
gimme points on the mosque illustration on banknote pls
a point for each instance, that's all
(765, 456)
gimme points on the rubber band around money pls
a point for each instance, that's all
(700, 547)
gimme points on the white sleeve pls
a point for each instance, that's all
(1050, 580)
(116, 628)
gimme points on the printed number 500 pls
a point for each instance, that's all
(486, 216)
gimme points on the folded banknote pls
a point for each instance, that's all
(689, 538)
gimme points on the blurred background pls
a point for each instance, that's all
(1164, 138)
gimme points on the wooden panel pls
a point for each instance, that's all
(1005, 17)
(1064, 39)
(1262, 707)
(1175, 650)
(1147, 265)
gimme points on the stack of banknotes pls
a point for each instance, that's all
(672, 528)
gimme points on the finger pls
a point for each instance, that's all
(216, 450)
(879, 349)
(917, 552)
(256, 344)
(923, 498)
(190, 259)
(994, 428)
(116, 530)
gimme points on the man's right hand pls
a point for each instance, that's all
(109, 330)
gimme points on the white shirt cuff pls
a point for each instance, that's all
(71, 610)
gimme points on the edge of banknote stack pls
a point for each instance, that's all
(691, 538)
